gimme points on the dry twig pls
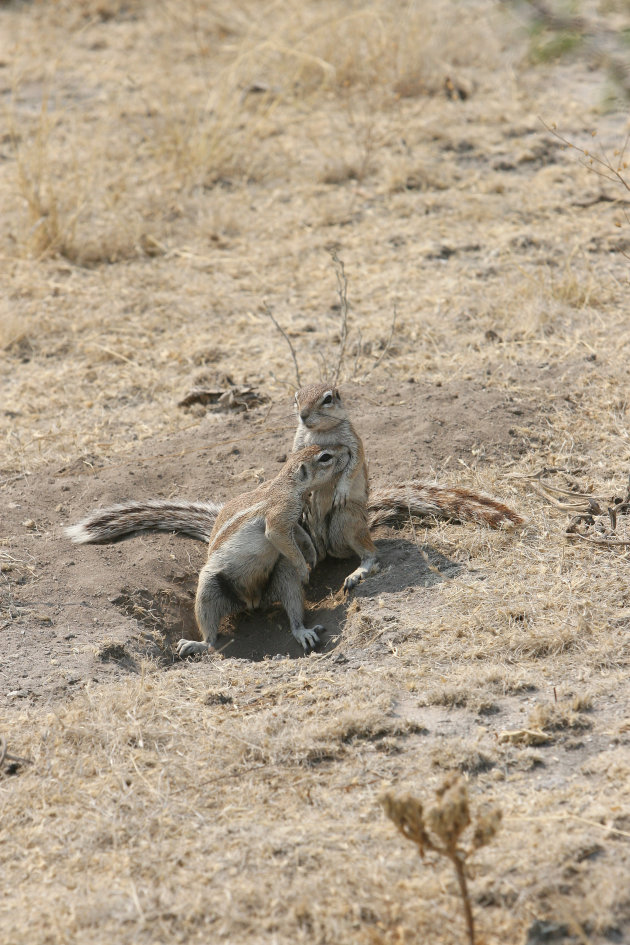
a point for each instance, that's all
(594, 162)
(577, 501)
(342, 291)
(270, 315)
(15, 760)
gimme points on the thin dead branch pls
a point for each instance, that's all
(270, 315)
(342, 291)
(602, 166)
(580, 502)
(586, 509)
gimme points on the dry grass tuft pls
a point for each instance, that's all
(52, 208)
(73, 202)
(559, 716)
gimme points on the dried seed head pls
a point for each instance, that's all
(407, 813)
(486, 828)
(451, 815)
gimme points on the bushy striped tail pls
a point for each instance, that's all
(388, 505)
(392, 505)
(192, 519)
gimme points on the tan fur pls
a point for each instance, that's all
(258, 551)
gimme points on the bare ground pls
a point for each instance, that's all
(166, 173)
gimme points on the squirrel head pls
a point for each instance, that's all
(314, 466)
(319, 407)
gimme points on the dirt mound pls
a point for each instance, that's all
(87, 612)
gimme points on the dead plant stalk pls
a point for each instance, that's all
(440, 828)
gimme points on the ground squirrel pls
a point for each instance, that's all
(339, 519)
(259, 552)
(336, 517)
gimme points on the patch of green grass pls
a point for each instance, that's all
(549, 48)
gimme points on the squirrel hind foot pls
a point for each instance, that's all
(308, 637)
(363, 571)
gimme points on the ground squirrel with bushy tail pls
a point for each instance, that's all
(338, 519)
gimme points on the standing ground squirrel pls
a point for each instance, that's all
(339, 520)
(336, 517)
(259, 552)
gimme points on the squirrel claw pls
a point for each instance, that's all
(311, 559)
(307, 637)
(351, 581)
(190, 648)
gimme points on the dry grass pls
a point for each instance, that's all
(146, 785)
(169, 170)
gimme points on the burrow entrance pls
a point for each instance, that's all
(165, 617)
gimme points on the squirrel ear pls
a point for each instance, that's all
(303, 472)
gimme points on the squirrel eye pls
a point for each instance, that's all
(327, 399)
(324, 457)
